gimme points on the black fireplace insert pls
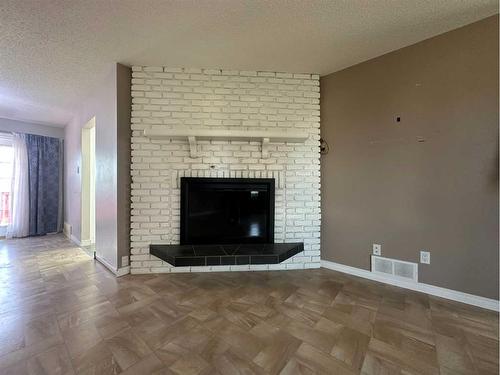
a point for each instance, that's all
(227, 210)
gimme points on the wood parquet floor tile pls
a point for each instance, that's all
(62, 312)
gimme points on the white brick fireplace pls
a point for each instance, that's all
(209, 101)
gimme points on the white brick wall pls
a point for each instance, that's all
(223, 99)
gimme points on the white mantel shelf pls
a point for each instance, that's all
(263, 136)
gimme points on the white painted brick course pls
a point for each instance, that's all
(223, 99)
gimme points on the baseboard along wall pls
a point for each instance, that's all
(470, 299)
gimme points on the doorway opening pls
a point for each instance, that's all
(87, 237)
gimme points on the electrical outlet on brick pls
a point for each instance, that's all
(377, 249)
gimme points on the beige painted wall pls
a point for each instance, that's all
(381, 185)
(123, 138)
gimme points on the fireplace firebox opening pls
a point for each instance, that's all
(227, 211)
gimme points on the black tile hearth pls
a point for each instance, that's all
(224, 255)
(208, 250)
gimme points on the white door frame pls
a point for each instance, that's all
(87, 235)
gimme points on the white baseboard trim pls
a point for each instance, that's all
(85, 242)
(67, 229)
(122, 271)
(471, 299)
(117, 271)
(75, 240)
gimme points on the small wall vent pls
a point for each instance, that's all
(395, 268)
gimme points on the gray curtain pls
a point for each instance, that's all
(45, 184)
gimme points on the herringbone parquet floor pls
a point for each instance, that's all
(63, 313)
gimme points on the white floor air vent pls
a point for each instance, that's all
(396, 269)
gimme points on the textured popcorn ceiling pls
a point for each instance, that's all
(53, 52)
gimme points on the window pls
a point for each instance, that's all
(6, 159)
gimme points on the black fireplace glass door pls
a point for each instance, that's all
(221, 211)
